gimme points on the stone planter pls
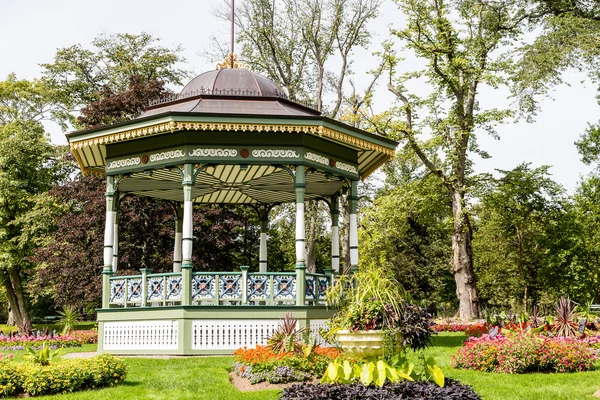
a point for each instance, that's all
(361, 344)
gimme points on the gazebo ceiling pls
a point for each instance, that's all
(241, 129)
(234, 184)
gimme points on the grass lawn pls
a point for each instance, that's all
(207, 378)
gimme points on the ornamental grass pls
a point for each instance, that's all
(522, 353)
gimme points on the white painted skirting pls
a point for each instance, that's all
(141, 335)
(214, 334)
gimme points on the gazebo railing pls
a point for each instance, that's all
(218, 288)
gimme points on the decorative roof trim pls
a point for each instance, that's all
(173, 126)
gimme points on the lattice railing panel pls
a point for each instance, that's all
(141, 335)
(231, 334)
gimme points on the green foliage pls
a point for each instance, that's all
(30, 165)
(68, 318)
(378, 372)
(367, 299)
(406, 230)
(78, 76)
(61, 377)
(371, 372)
(43, 356)
(523, 237)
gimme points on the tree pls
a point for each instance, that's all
(29, 165)
(463, 46)
(26, 100)
(113, 107)
(518, 217)
(80, 76)
(407, 230)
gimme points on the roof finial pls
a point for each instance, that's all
(231, 60)
(232, 30)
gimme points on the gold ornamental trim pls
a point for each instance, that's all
(126, 135)
(231, 61)
(174, 126)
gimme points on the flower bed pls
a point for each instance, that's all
(453, 390)
(262, 364)
(525, 353)
(472, 329)
(61, 377)
(74, 339)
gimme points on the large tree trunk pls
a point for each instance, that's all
(462, 263)
(16, 299)
(10, 319)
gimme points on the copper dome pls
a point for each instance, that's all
(233, 81)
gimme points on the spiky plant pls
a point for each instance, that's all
(287, 338)
(565, 326)
(68, 319)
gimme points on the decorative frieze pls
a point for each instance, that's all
(316, 158)
(166, 155)
(275, 153)
(213, 153)
(347, 167)
(125, 162)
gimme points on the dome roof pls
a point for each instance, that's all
(232, 81)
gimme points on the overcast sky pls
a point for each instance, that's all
(31, 31)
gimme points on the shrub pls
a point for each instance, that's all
(525, 353)
(415, 327)
(453, 390)
(61, 377)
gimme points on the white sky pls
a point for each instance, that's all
(31, 32)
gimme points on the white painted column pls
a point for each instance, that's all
(300, 268)
(335, 234)
(107, 270)
(353, 199)
(177, 250)
(187, 232)
(187, 228)
(115, 257)
(263, 216)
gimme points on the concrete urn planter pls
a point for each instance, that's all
(361, 344)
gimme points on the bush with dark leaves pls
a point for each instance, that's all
(453, 390)
(415, 325)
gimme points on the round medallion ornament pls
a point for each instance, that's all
(332, 163)
(244, 153)
(145, 159)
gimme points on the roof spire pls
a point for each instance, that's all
(232, 31)
(231, 61)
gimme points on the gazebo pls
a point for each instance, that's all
(230, 137)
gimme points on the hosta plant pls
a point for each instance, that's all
(43, 356)
(379, 372)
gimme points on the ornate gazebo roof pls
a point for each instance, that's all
(244, 136)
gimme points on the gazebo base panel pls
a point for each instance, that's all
(197, 330)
